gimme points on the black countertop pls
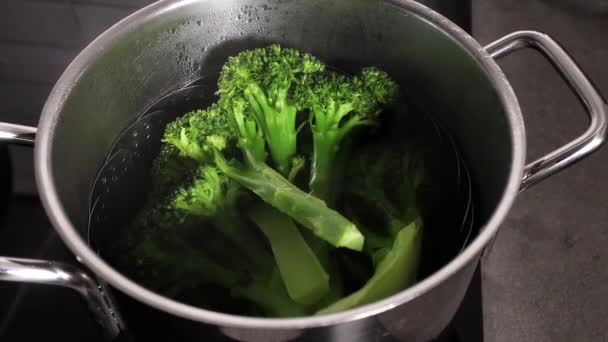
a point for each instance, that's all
(545, 279)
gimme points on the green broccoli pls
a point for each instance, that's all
(208, 135)
(214, 192)
(176, 249)
(338, 104)
(305, 278)
(385, 181)
(226, 208)
(266, 79)
(396, 270)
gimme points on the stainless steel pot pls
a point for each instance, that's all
(165, 45)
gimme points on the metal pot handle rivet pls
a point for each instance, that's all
(595, 106)
(53, 273)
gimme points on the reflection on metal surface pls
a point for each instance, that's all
(17, 134)
(51, 273)
(595, 106)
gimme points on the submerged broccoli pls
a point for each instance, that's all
(227, 210)
(177, 248)
(386, 179)
(207, 136)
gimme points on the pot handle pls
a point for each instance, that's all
(96, 295)
(17, 134)
(587, 94)
(60, 274)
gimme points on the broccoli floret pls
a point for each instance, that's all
(169, 169)
(197, 138)
(266, 78)
(338, 104)
(197, 133)
(214, 191)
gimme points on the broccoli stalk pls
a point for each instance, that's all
(270, 295)
(338, 104)
(396, 270)
(307, 210)
(308, 282)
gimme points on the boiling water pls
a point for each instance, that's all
(122, 184)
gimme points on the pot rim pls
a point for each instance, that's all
(70, 236)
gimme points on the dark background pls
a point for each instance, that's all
(545, 278)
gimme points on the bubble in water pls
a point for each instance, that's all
(135, 133)
(103, 180)
(265, 7)
(114, 178)
(199, 22)
(203, 49)
(148, 136)
(239, 17)
(146, 126)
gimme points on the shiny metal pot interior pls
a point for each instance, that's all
(170, 43)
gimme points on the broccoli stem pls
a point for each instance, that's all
(270, 295)
(278, 122)
(397, 270)
(324, 155)
(305, 209)
(230, 224)
(323, 253)
(303, 275)
(328, 133)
